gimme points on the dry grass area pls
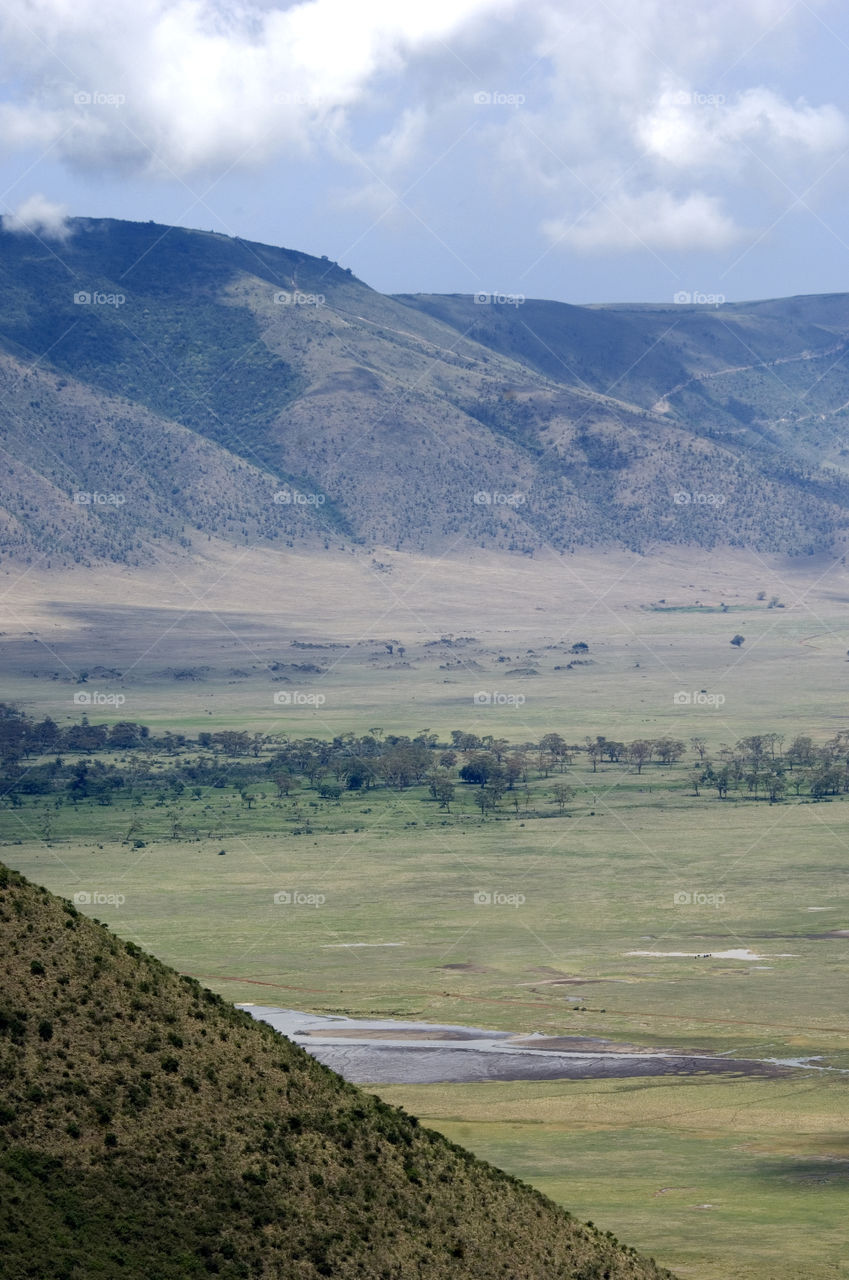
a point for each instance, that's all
(655, 627)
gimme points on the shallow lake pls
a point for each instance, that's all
(385, 1051)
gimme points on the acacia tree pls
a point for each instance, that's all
(444, 793)
(754, 779)
(554, 745)
(800, 751)
(485, 799)
(720, 780)
(776, 785)
(640, 753)
(480, 769)
(669, 750)
(515, 769)
(562, 795)
(593, 751)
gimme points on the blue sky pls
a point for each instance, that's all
(627, 150)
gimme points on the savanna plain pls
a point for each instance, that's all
(640, 899)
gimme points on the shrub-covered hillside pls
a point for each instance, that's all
(149, 1130)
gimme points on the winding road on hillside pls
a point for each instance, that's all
(842, 346)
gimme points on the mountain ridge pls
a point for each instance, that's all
(322, 413)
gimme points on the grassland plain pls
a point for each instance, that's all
(738, 1179)
(635, 865)
(599, 882)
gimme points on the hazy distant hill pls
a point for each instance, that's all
(151, 1131)
(215, 387)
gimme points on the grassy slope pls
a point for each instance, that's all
(150, 1130)
(64, 438)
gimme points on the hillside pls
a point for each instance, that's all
(150, 1130)
(198, 387)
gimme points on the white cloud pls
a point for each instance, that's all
(603, 150)
(38, 216)
(654, 220)
(650, 134)
(691, 129)
(181, 85)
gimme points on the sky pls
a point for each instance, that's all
(600, 151)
